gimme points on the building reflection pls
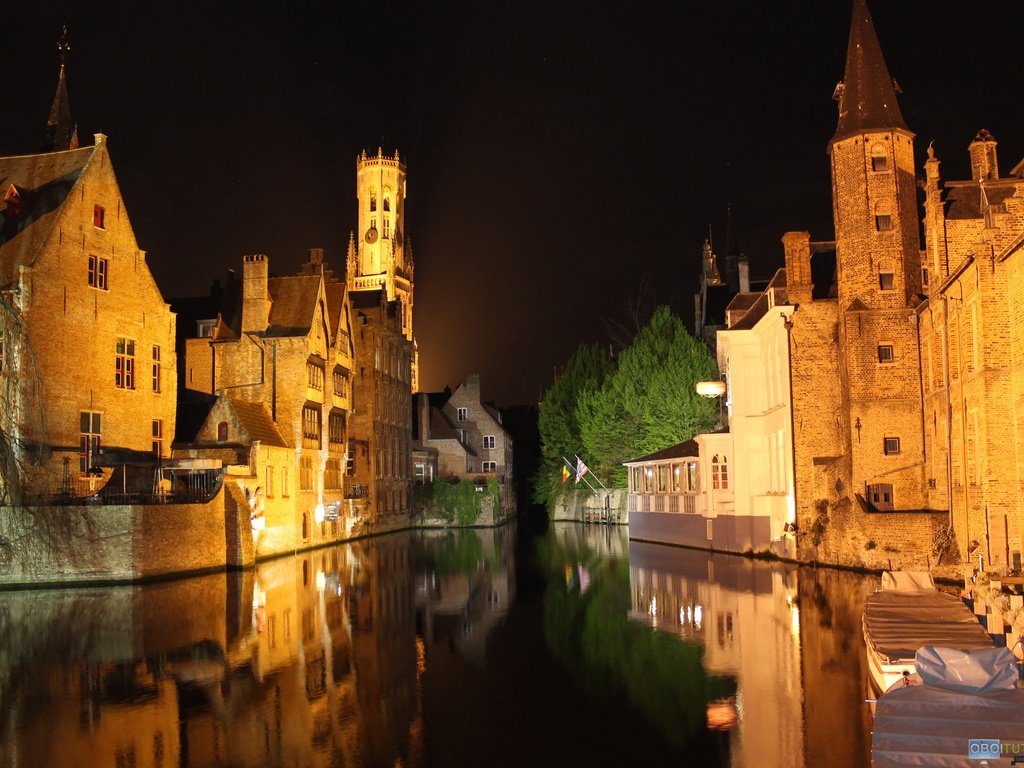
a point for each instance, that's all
(790, 641)
(311, 660)
(464, 589)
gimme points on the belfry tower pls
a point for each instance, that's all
(379, 254)
(379, 257)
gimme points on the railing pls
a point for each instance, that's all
(673, 503)
(357, 491)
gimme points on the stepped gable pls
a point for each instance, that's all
(34, 188)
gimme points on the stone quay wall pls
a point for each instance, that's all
(121, 543)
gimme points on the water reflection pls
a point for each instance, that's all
(768, 655)
(312, 660)
(418, 649)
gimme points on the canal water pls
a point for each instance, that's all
(565, 646)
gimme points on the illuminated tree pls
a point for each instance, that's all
(557, 421)
(650, 401)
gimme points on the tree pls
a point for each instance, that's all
(557, 420)
(650, 401)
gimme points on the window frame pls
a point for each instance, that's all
(124, 363)
(490, 442)
(89, 438)
(886, 354)
(462, 414)
(891, 445)
(98, 272)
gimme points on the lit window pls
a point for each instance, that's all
(462, 414)
(98, 273)
(490, 466)
(310, 426)
(489, 441)
(336, 429)
(885, 353)
(156, 368)
(124, 363)
(892, 446)
(98, 216)
(314, 376)
(719, 472)
(90, 430)
(158, 437)
(340, 382)
(886, 281)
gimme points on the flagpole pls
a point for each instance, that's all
(582, 477)
(578, 459)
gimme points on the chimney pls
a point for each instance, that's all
(473, 386)
(799, 285)
(255, 293)
(984, 165)
(316, 255)
(423, 412)
(743, 266)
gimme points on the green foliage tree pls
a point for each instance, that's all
(610, 414)
(557, 419)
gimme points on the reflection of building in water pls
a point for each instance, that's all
(460, 606)
(318, 668)
(744, 614)
(600, 540)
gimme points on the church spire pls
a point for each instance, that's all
(61, 132)
(867, 94)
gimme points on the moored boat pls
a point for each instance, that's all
(907, 613)
(966, 708)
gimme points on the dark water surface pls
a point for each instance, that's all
(571, 646)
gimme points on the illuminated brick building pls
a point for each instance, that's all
(87, 356)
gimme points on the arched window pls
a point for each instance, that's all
(373, 203)
(719, 472)
(883, 217)
(222, 432)
(387, 204)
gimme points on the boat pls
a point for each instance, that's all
(966, 709)
(907, 613)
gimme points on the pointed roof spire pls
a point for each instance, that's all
(867, 94)
(61, 132)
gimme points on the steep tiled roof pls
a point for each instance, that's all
(441, 429)
(256, 422)
(33, 188)
(335, 305)
(963, 199)
(867, 98)
(294, 305)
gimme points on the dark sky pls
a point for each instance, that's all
(559, 154)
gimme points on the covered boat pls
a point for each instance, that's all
(967, 710)
(908, 612)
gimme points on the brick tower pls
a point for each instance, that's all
(878, 276)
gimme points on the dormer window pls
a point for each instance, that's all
(98, 216)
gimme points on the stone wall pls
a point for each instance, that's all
(94, 543)
(583, 505)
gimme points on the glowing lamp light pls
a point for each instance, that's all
(321, 580)
(710, 388)
(318, 513)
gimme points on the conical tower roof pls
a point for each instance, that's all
(867, 96)
(60, 130)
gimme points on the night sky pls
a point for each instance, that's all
(559, 154)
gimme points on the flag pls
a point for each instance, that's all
(565, 474)
(581, 469)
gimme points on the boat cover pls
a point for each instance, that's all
(907, 581)
(897, 623)
(921, 725)
(984, 671)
